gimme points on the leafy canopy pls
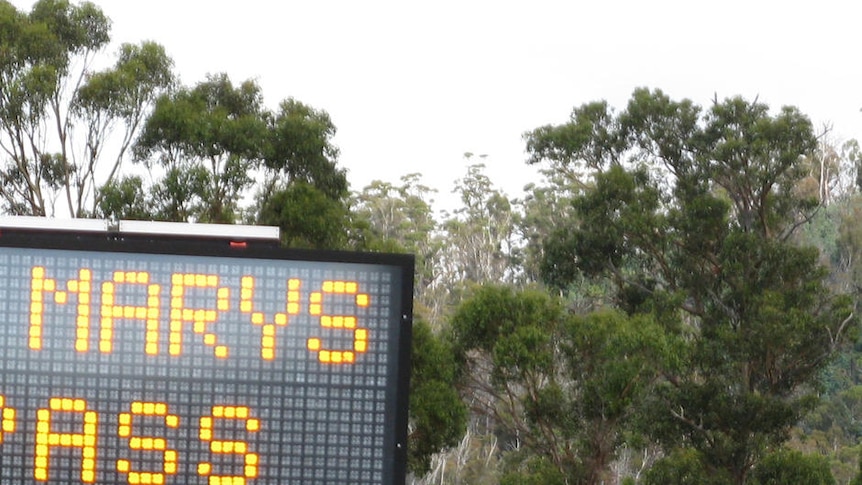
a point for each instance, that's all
(690, 215)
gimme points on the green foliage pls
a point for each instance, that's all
(613, 361)
(849, 242)
(479, 243)
(534, 470)
(572, 389)
(438, 417)
(212, 139)
(299, 146)
(123, 199)
(838, 416)
(821, 232)
(790, 466)
(612, 385)
(123, 93)
(140, 72)
(495, 312)
(49, 96)
(543, 209)
(757, 162)
(181, 195)
(691, 218)
(684, 467)
(857, 480)
(308, 218)
(592, 137)
(400, 218)
(215, 130)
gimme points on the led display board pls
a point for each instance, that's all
(166, 360)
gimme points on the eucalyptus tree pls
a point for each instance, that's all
(544, 208)
(58, 116)
(480, 234)
(308, 218)
(437, 416)
(215, 141)
(691, 219)
(556, 387)
(299, 148)
(399, 212)
(832, 170)
(301, 188)
(208, 140)
(400, 217)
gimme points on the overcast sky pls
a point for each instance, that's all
(411, 86)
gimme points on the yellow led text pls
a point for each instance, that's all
(343, 322)
(169, 456)
(148, 313)
(180, 315)
(39, 285)
(246, 305)
(200, 318)
(219, 446)
(7, 419)
(46, 439)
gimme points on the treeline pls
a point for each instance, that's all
(694, 318)
(675, 303)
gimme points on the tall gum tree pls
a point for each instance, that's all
(691, 218)
(216, 140)
(212, 133)
(481, 232)
(400, 218)
(57, 114)
(554, 386)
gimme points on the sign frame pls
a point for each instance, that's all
(171, 240)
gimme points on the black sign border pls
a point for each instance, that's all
(238, 247)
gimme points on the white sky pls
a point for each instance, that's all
(413, 85)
